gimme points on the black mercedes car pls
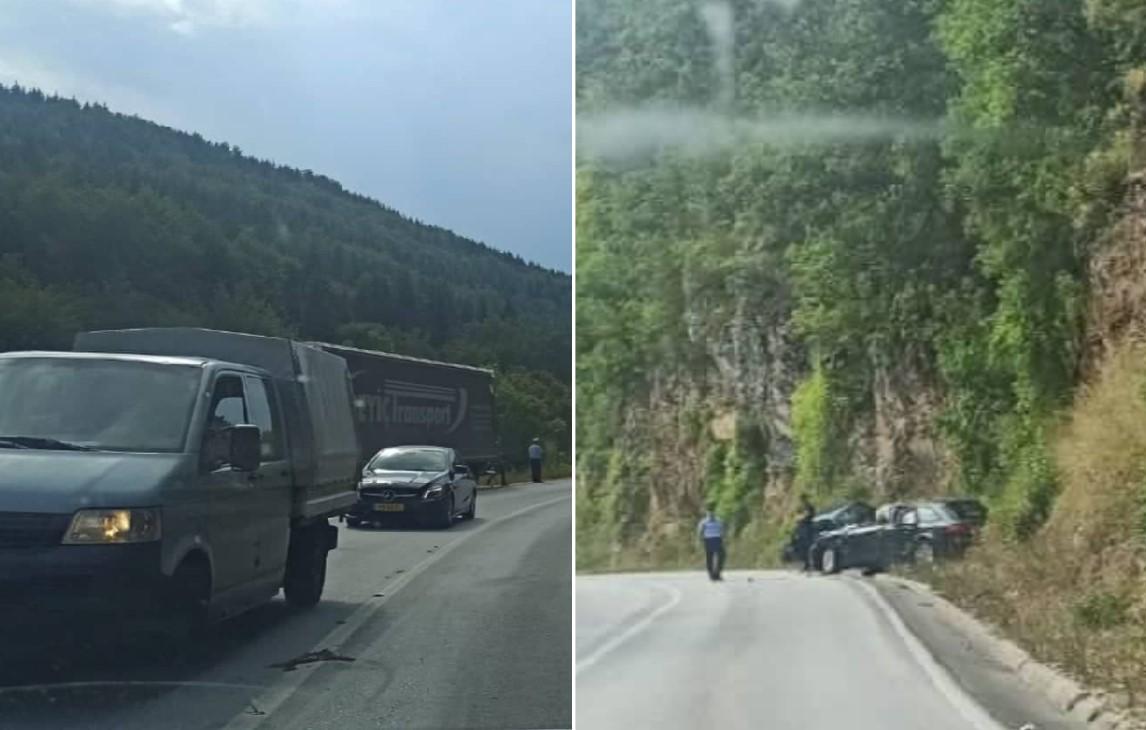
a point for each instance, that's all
(426, 484)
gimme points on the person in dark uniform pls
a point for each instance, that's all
(711, 531)
(806, 531)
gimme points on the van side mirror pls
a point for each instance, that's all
(246, 447)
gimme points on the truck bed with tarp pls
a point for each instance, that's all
(315, 389)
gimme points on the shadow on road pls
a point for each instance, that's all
(86, 670)
(395, 525)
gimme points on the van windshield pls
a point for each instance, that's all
(112, 405)
(409, 460)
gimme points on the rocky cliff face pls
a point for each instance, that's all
(753, 363)
(1117, 280)
(904, 448)
(756, 364)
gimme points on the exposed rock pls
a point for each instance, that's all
(1117, 280)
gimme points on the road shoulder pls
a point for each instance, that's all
(261, 710)
(1015, 689)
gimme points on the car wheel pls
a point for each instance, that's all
(188, 595)
(829, 560)
(470, 513)
(305, 570)
(353, 521)
(446, 518)
(924, 553)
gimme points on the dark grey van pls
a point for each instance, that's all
(182, 469)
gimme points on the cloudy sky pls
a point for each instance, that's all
(455, 112)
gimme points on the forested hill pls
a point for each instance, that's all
(108, 220)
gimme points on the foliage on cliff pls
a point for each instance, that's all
(889, 313)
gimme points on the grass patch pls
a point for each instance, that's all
(516, 475)
(1074, 591)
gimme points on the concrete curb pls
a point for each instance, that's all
(1065, 694)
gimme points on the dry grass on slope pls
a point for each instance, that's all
(1075, 594)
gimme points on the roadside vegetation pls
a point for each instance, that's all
(1075, 592)
(907, 269)
(110, 221)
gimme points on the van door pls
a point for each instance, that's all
(233, 504)
(271, 484)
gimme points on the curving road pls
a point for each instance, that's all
(465, 628)
(771, 650)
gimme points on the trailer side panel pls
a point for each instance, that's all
(410, 401)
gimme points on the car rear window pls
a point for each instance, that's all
(967, 510)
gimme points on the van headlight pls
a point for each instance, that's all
(113, 526)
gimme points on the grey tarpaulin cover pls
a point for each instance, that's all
(314, 387)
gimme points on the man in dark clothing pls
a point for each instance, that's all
(535, 460)
(711, 531)
(807, 533)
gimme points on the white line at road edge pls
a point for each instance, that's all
(278, 693)
(674, 598)
(967, 707)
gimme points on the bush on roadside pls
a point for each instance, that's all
(1074, 592)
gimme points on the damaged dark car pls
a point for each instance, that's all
(835, 518)
(911, 533)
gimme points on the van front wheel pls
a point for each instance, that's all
(306, 567)
(184, 602)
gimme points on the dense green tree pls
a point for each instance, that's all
(108, 220)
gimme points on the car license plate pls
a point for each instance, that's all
(389, 507)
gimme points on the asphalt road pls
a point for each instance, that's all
(470, 627)
(775, 650)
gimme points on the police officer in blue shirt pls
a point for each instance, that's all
(535, 460)
(711, 531)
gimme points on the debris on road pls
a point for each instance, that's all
(322, 655)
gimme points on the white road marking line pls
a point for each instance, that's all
(675, 597)
(963, 703)
(275, 695)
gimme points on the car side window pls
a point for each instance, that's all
(909, 517)
(264, 415)
(928, 516)
(228, 408)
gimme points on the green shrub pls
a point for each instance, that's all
(816, 432)
(1101, 610)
